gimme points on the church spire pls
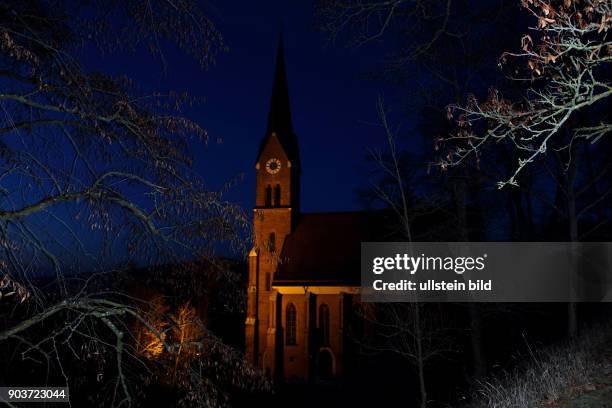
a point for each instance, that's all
(279, 116)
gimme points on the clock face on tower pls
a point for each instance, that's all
(273, 166)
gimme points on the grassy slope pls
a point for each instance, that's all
(574, 374)
(597, 392)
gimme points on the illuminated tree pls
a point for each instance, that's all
(151, 343)
(187, 331)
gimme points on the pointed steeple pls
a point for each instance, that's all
(279, 116)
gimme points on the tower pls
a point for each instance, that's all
(276, 209)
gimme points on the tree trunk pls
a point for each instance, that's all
(420, 357)
(572, 314)
(478, 353)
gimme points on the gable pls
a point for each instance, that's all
(271, 147)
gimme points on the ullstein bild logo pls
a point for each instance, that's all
(486, 272)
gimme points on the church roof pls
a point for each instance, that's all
(325, 248)
(279, 115)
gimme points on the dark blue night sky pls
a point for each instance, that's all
(331, 104)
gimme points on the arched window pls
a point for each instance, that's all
(272, 242)
(290, 325)
(324, 324)
(268, 196)
(277, 196)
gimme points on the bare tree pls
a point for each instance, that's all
(368, 20)
(567, 59)
(438, 51)
(414, 331)
(93, 178)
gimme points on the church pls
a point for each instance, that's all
(303, 307)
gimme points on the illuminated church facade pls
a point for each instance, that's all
(303, 304)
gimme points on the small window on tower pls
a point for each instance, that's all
(324, 324)
(269, 196)
(272, 242)
(277, 196)
(268, 282)
(291, 325)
